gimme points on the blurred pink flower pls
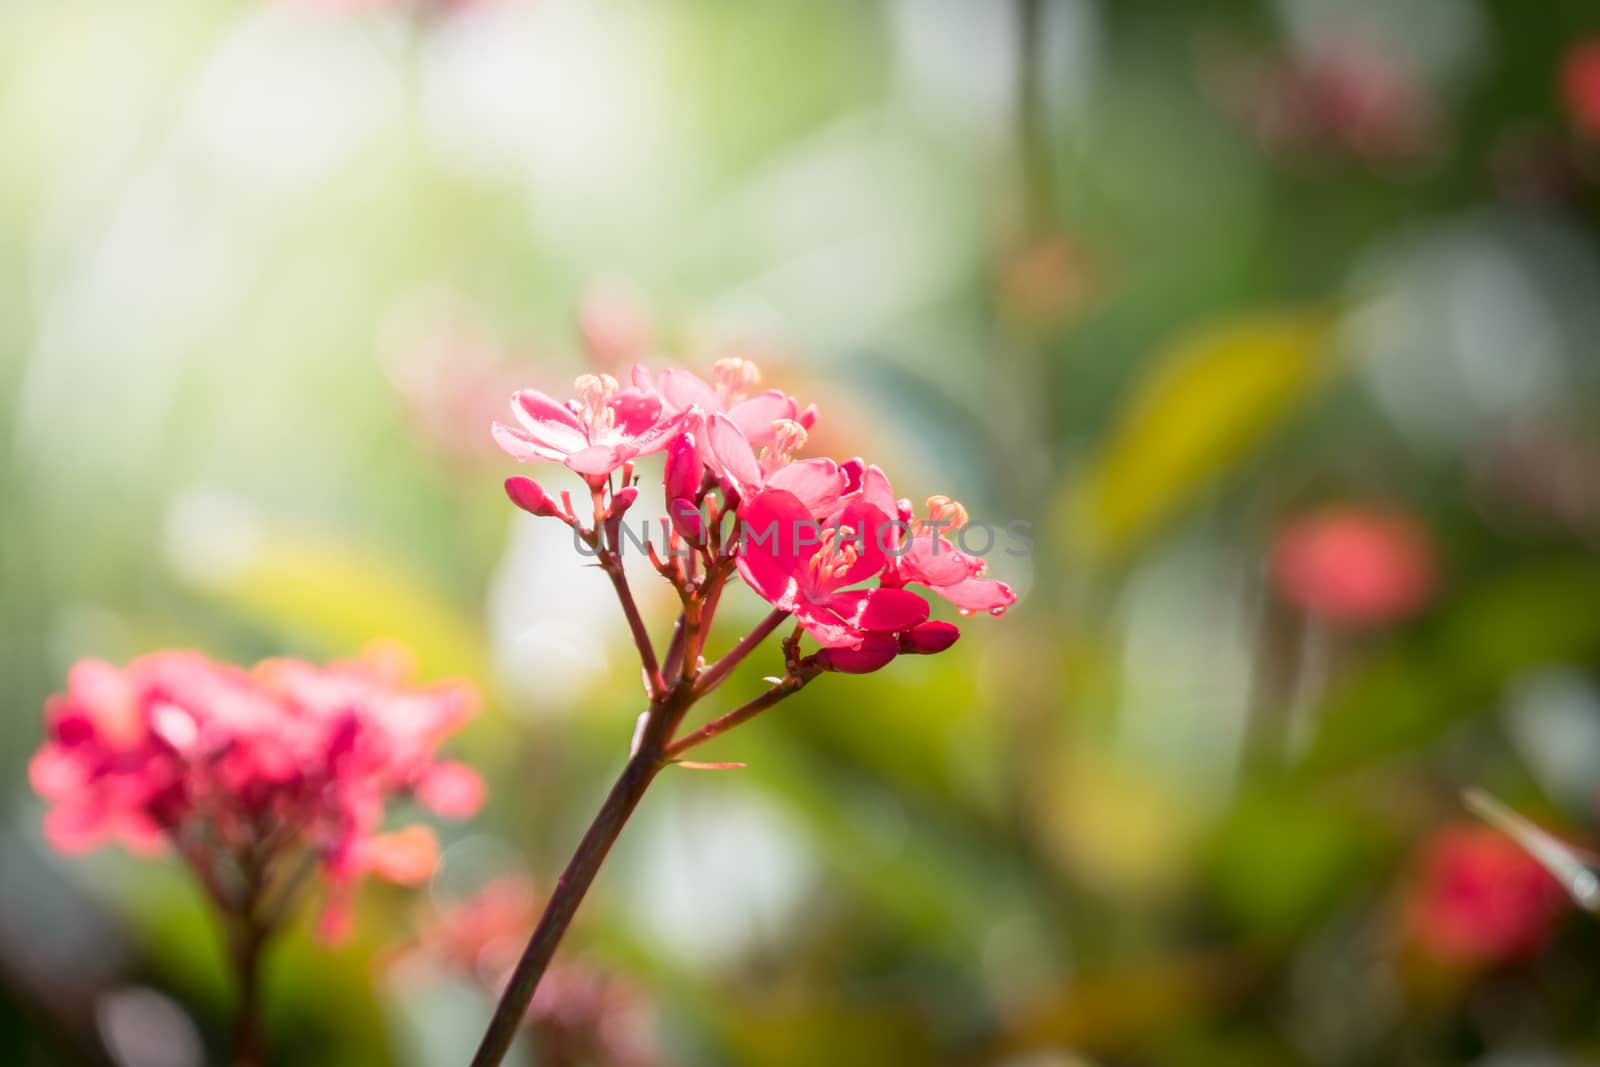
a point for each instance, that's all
(1580, 85)
(240, 770)
(1354, 566)
(1349, 95)
(1479, 898)
(757, 415)
(450, 370)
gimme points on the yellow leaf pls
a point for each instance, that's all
(1206, 403)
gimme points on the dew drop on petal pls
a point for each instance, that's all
(997, 612)
(963, 612)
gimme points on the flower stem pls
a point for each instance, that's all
(790, 685)
(663, 718)
(641, 637)
(714, 674)
(249, 1046)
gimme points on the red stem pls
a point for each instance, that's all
(714, 674)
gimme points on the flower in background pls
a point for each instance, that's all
(1355, 566)
(1478, 898)
(580, 1015)
(449, 369)
(255, 777)
(1580, 85)
(756, 414)
(1349, 96)
(615, 325)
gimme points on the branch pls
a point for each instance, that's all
(660, 721)
(790, 685)
(612, 565)
(714, 674)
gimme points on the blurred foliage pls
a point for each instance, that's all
(1153, 278)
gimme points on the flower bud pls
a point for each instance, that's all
(528, 495)
(622, 500)
(929, 637)
(874, 653)
(683, 468)
(686, 520)
(853, 469)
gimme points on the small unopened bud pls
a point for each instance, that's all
(929, 637)
(874, 653)
(683, 468)
(622, 500)
(687, 521)
(852, 469)
(528, 495)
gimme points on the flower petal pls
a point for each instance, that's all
(826, 626)
(872, 654)
(979, 594)
(683, 390)
(407, 856)
(881, 610)
(818, 483)
(755, 416)
(600, 460)
(519, 444)
(548, 423)
(454, 790)
(637, 411)
(935, 562)
(873, 531)
(730, 456)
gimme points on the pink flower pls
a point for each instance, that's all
(1479, 898)
(1355, 566)
(241, 768)
(819, 484)
(801, 567)
(593, 435)
(755, 414)
(919, 552)
(1580, 85)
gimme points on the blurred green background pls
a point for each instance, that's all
(1160, 279)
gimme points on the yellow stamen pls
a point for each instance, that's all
(735, 378)
(945, 514)
(838, 552)
(594, 395)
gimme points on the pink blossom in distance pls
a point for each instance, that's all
(1479, 898)
(1355, 566)
(1580, 85)
(240, 770)
(732, 393)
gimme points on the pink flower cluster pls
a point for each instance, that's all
(825, 541)
(254, 774)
